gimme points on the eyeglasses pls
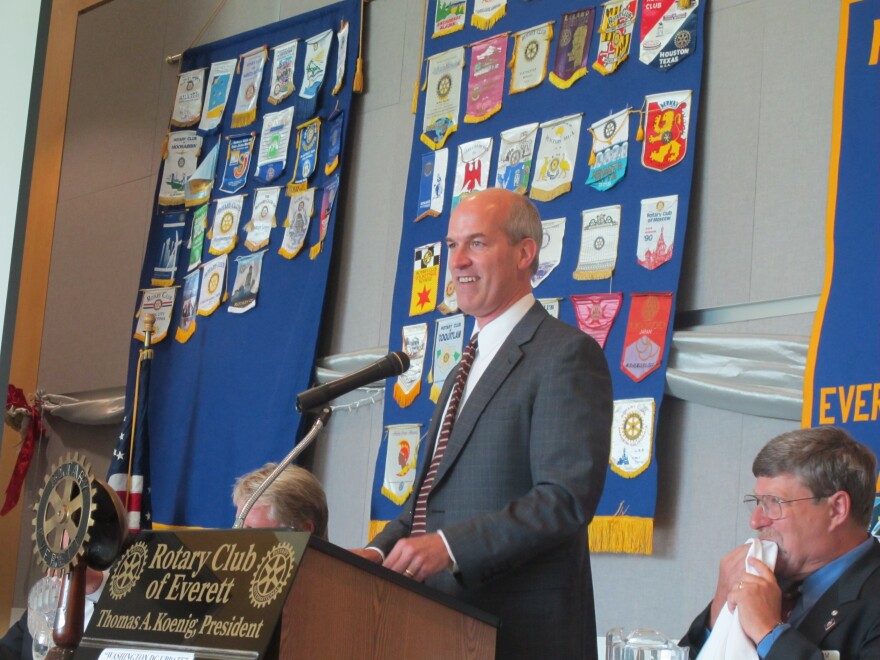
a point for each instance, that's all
(772, 505)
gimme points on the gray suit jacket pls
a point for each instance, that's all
(846, 618)
(518, 485)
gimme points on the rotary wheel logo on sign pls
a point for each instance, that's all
(128, 571)
(273, 574)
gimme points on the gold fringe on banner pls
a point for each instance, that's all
(315, 250)
(357, 85)
(476, 119)
(376, 526)
(488, 22)
(628, 534)
(182, 335)
(565, 84)
(584, 275)
(394, 497)
(405, 399)
(245, 118)
(293, 188)
(548, 195)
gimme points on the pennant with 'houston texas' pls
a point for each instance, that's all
(669, 32)
(426, 274)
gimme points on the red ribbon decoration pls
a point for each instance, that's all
(16, 399)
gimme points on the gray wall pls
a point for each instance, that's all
(756, 233)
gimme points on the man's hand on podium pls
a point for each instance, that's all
(370, 554)
(419, 557)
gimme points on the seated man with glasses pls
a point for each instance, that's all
(814, 497)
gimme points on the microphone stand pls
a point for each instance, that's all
(317, 427)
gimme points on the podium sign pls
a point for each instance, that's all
(202, 594)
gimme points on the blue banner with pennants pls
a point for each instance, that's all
(842, 379)
(609, 114)
(223, 388)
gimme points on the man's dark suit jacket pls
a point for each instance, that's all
(845, 619)
(519, 483)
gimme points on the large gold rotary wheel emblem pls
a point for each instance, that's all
(272, 575)
(633, 426)
(444, 86)
(64, 513)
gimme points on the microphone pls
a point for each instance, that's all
(392, 364)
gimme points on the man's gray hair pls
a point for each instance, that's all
(524, 222)
(295, 498)
(825, 459)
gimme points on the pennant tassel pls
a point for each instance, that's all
(488, 22)
(182, 335)
(403, 398)
(244, 118)
(30, 415)
(628, 534)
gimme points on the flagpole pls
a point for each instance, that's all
(146, 353)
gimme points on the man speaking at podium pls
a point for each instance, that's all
(519, 445)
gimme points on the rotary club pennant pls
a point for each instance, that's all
(448, 342)
(472, 168)
(173, 227)
(609, 155)
(669, 32)
(181, 157)
(333, 131)
(186, 325)
(263, 218)
(197, 237)
(188, 101)
(551, 305)
(213, 290)
(160, 304)
(487, 13)
(199, 186)
(302, 205)
(645, 334)
(314, 68)
(238, 160)
(600, 233)
(531, 51)
(224, 231)
(657, 231)
(251, 66)
(272, 156)
(557, 154)
(401, 455)
(219, 83)
(426, 273)
(307, 138)
(486, 78)
(632, 436)
(515, 158)
(341, 52)
(615, 34)
(283, 63)
(247, 283)
(450, 295)
(327, 201)
(409, 383)
(573, 47)
(667, 117)
(550, 253)
(442, 97)
(449, 17)
(432, 183)
(596, 312)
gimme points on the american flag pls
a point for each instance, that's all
(129, 473)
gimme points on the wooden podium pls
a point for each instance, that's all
(342, 606)
(272, 593)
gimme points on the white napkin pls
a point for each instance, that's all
(727, 641)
